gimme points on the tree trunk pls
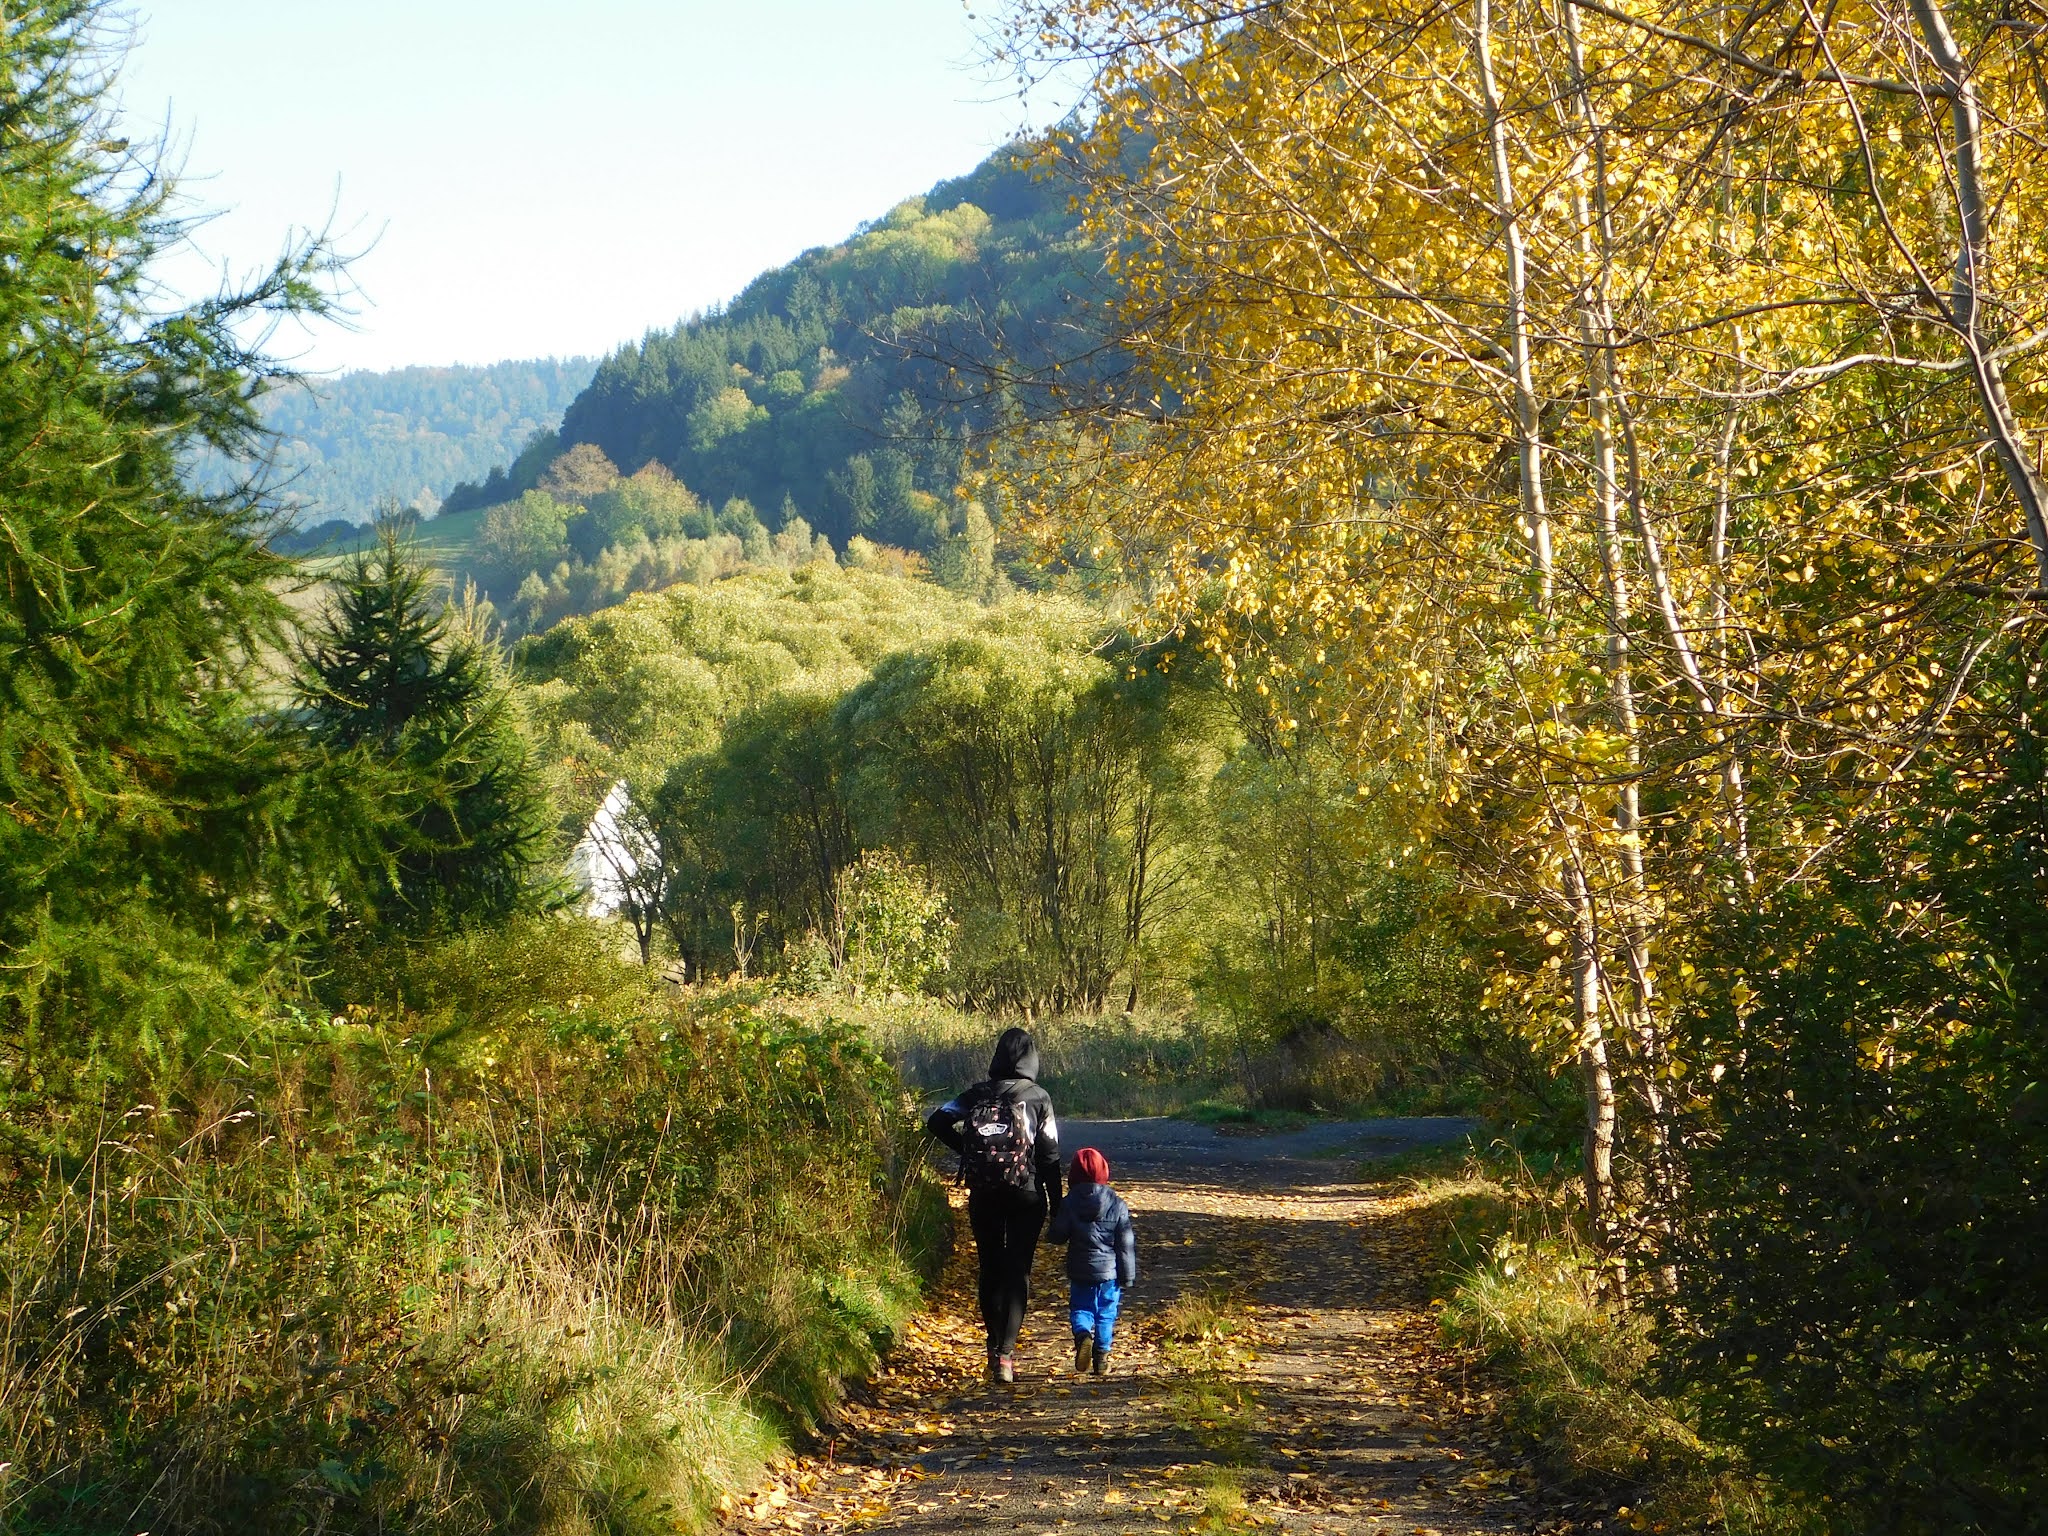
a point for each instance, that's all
(1595, 1071)
(1587, 990)
(1594, 1068)
(1603, 407)
(1966, 296)
(1528, 417)
(1724, 621)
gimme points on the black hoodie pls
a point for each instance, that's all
(1013, 1071)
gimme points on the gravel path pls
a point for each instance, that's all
(1297, 1386)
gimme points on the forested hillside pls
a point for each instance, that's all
(345, 445)
(840, 388)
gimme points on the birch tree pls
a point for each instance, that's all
(1541, 376)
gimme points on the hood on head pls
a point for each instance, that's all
(1091, 1167)
(1016, 1056)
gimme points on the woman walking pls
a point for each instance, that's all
(1009, 1144)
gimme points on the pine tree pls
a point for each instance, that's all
(396, 676)
(159, 845)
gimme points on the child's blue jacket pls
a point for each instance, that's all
(1095, 1224)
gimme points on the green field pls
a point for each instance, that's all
(445, 541)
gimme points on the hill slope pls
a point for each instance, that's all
(841, 386)
(410, 434)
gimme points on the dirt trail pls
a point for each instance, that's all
(1316, 1399)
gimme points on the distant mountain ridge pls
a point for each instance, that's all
(348, 443)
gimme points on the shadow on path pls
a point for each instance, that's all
(1316, 1399)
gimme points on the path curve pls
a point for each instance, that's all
(1277, 1369)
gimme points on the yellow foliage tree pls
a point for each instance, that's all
(1618, 423)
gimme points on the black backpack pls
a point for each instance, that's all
(995, 1141)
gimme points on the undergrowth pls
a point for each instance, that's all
(1577, 1376)
(514, 1241)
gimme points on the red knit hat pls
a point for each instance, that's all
(1091, 1167)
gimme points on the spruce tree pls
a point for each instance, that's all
(159, 845)
(395, 676)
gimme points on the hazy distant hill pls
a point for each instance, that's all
(347, 443)
(838, 387)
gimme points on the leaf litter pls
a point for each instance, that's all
(1277, 1369)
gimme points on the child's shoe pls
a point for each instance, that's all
(1101, 1366)
(1084, 1350)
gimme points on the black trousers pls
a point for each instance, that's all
(1006, 1228)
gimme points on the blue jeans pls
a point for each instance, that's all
(1093, 1307)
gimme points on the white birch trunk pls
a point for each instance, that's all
(1966, 295)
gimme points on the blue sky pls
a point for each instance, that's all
(546, 178)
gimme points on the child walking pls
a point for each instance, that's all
(1102, 1257)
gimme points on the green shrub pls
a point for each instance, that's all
(894, 935)
(1864, 1301)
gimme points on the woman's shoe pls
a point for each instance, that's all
(1084, 1350)
(1004, 1369)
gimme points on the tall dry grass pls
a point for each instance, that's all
(1577, 1376)
(518, 1244)
(1109, 1065)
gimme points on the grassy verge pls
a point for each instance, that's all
(1238, 1120)
(1114, 1065)
(1577, 1378)
(1118, 1065)
(1207, 1396)
(514, 1242)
